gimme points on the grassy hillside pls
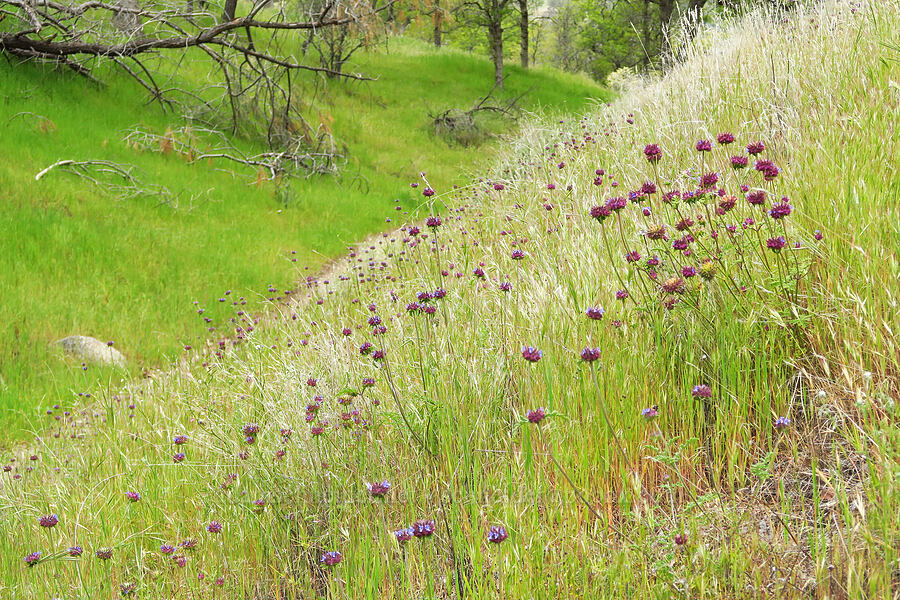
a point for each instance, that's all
(75, 259)
(695, 401)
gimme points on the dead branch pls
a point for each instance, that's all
(195, 144)
(462, 125)
(117, 179)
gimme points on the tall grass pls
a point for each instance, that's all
(709, 499)
(75, 259)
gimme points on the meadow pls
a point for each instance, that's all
(650, 353)
(136, 268)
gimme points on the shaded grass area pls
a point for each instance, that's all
(77, 260)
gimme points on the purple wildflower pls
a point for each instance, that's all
(650, 413)
(531, 354)
(652, 152)
(423, 528)
(214, 527)
(32, 559)
(403, 535)
(704, 146)
(782, 423)
(738, 161)
(709, 180)
(595, 313)
(104, 553)
(781, 210)
(379, 489)
(776, 244)
(590, 354)
(48, 521)
(701, 391)
(330, 559)
(497, 534)
(536, 415)
(132, 496)
(725, 138)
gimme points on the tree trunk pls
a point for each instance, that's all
(523, 28)
(438, 24)
(495, 41)
(645, 25)
(230, 7)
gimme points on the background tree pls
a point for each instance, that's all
(489, 16)
(252, 56)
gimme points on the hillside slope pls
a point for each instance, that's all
(76, 259)
(569, 381)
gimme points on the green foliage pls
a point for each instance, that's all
(78, 260)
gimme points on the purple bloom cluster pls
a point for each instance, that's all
(497, 534)
(423, 528)
(379, 489)
(531, 354)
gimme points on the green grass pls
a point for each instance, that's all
(77, 260)
(593, 497)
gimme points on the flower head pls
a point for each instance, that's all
(650, 413)
(656, 232)
(755, 148)
(595, 313)
(738, 162)
(433, 222)
(379, 489)
(776, 244)
(423, 528)
(701, 391)
(104, 553)
(709, 180)
(48, 521)
(214, 527)
(725, 138)
(536, 415)
(782, 423)
(497, 534)
(330, 559)
(531, 354)
(590, 354)
(132, 496)
(403, 535)
(652, 152)
(704, 146)
(32, 559)
(781, 210)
